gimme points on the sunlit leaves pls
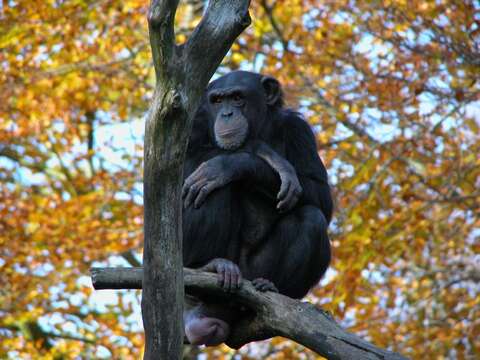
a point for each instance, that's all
(392, 91)
(68, 68)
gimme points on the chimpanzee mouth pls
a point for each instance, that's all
(231, 138)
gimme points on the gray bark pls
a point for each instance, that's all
(182, 73)
(275, 315)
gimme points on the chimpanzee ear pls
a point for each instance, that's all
(273, 91)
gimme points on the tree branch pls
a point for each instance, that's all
(130, 257)
(161, 18)
(273, 315)
(331, 110)
(223, 21)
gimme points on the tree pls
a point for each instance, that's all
(391, 89)
(182, 73)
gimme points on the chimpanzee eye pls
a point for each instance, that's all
(237, 97)
(216, 99)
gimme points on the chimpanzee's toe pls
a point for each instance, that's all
(264, 285)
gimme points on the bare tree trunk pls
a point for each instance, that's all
(182, 74)
(273, 315)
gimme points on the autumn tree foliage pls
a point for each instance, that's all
(392, 91)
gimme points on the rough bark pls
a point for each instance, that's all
(274, 315)
(182, 74)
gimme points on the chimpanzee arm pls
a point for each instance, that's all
(208, 167)
(211, 169)
(290, 188)
(301, 152)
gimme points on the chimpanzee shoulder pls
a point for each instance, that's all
(301, 147)
(301, 151)
(199, 138)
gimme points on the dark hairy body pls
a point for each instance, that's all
(256, 199)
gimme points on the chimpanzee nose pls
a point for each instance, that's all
(227, 113)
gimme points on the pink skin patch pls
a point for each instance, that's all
(206, 331)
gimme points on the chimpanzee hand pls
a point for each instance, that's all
(230, 277)
(210, 175)
(290, 189)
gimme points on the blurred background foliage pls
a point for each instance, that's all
(392, 90)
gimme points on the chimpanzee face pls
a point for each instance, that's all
(238, 103)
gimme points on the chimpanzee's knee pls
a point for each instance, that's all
(306, 253)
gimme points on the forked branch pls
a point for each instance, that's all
(223, 21)
(194, 63)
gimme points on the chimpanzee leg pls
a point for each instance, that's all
(208, 320)
(294, 255)
(207, 323)
(212, 230)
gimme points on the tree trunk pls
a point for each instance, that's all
(182, 73)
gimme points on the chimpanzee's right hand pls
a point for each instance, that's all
(210, 175)
(290, 189)
(230, 277)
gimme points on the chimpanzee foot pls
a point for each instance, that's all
(230, 277)
(206, 331)
(264, 285)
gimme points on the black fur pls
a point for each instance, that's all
(239, 221)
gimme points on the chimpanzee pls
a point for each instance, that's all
(256, 198)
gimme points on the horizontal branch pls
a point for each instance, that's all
(116, 278)
(275, 315)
